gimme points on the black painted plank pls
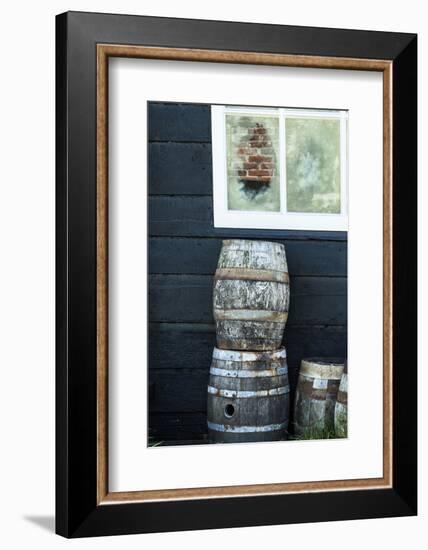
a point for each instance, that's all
(200, 256)
(185, 122)
(180, 169)
(178, 346)
(180, 298)
(312, 341)
(192, 216)
(177, 408)
(180, 356)
(183, 255)
(177, 426)
(188, 298)
(183, 390)
(180, 216)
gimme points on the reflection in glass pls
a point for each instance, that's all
(313, 165)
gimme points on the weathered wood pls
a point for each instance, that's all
(248, 396)
(251, 295)
(192, 216)
(176, 347)
(316, 394)
(188, 299)
(179, 122)
(180, 169)
(199, 256)
(195, 343)
(308, 341)
(341, 408)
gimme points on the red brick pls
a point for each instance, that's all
(243, 151)
(256, 158)
(259, 172)
(263, 179)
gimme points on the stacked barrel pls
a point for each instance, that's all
(248, 389)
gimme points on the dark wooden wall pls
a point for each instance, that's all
(183, 252)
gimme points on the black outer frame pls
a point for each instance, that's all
(77, 513)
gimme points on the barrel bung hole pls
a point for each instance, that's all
(229, 411)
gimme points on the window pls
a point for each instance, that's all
(279, 168)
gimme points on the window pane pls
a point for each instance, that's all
(252, 143)
(313, 165)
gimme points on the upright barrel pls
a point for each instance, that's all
(341, 407)
(248, 396)
(316, 394)
(251, 295)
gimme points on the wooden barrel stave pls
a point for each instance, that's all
(263, 255)
(248, 399)
(249, 335)
(316, 394)
(251, 295)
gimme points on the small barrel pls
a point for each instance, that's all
(251, 295)
(316, 394)
(341, 407)
(248, 396)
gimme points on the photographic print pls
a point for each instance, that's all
(248, 322)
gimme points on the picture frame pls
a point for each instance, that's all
(84, 44)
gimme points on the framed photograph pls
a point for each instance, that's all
(236, 274)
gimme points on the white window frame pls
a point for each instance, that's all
(309, 221)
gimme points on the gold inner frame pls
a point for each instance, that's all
(104, 51)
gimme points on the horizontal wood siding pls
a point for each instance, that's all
(179, 123)
(190, 216)
(199, 256)
(183, 251)
(182, 167)
(188, 299)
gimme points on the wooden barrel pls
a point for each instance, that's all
(341, 407)
(316, 394)
(248, 396)
(251, 295)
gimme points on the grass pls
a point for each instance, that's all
(155, 443)
(315, 432)
(342, 424)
